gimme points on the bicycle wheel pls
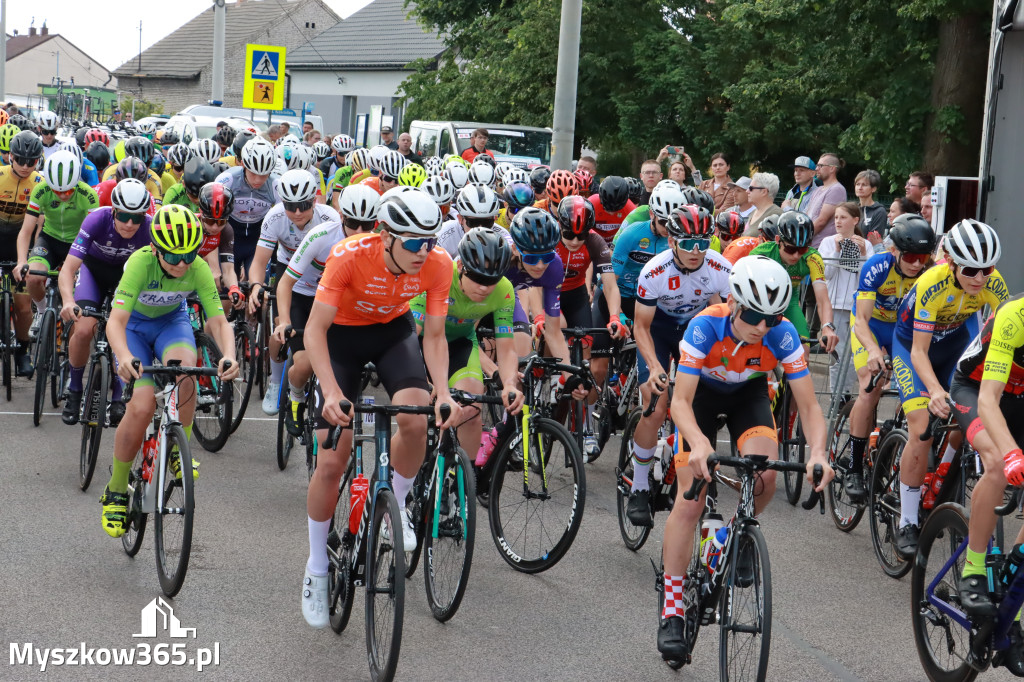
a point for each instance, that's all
(746, 611)
(845, 514)
(245, 353)
(9, 343)
(385, 587)
(94, 415)
(449, 537)
(791, 446)
(633, 536)
(885, 503)
(535, 517)
(419, 511)
(942, 643)
(212, 423)
(135, 523)
(173, 521)
(285, 440)
(44, 356)
(340, 585)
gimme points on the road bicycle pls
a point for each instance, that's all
(51, 348)
(8, 340)
(306, 419)
(212, 424)
(94, 414)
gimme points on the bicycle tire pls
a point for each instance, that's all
(135, 523)
(384, 570)
(759, 600)
(941, 535)
(9, 343)
(633, 536)
(446, 580)
(44, 355)
(212, 422)
(791, 447)
(566, 478)
(94, 415)
(245, 353)
(419, 511)
(845, 515)
(285, 441)
(884, 498)
(172, 557)
(340, 586)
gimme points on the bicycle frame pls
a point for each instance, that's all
(167, 403)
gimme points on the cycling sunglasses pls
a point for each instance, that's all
(921, 258)
(178, 169)
(24, 160)
(754, 318)
(789, 248)
(691, 243)
(126, 217)
(360, 225)
(214, 221)
(416, 244)
(970, 272)
(175, 258)
(298, 206)
(482, 280)
(539, 258)
(572, 237)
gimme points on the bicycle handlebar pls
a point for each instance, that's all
(933, 426)
(466, 398)
(877, 378)
(654, 398)
(1010, 505)
(757, 463)
(815, 498)
(334, 434)
(171, 371)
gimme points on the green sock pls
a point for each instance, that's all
(188, 432)
(975, 564)
(119, 476)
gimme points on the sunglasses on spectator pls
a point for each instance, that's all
(572, 236)
(753, 187)
(790, 249)
(25, 160)
(126, 217)
(539, 258)
(921, 258)
(754, 318)
(298, 206)
(214, 221)
(692, 243)
(416, 244)
(175, 258)
(970, 272)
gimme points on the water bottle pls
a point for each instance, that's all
(670, 470)
(713, 522)
(359, 489)
(148, 457)
(659, 459)
(932, 485)
(1014, 560)
(873, 439)
(614, 385)
(717, 543)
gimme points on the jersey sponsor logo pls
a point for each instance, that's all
(933, 291)
(715, 265)
(787, 342)
(162, 298)
(1008, 330)
(924, 314)
(673, 282)
(696, 292)
(153, 284)
(698, 335)
(641, 292)
(354, 245)
(373, 308)
(998, 287)
(640, 257)
(904, 376)
(705, 280)
(644, 243)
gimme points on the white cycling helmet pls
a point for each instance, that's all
(515, 175)
(47, 121)
(321, 150)
(72, 146)
(457, 174)
(377, 155)
(291, 155)
(667, 184)
(130, 196)
(502, 169)
(206, 148)
(440, 188)
(296, 185)
(665, 200)
(391, 165)
(359, 159)
(759, 283)
(433, 165)
(973, 244)
(290, 138)
(62, 171)
(342, 144)
(359, 202)
(482, 174)
(179, 153)
(258, 156)
(409, 211)
(477, 201)
(146, 128)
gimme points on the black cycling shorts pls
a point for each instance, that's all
(576, 308)
(299, 311)
(964, 394)
(601, 318)
(48, 250)
(747, 410)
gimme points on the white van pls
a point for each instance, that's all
(522, 146)
(257, 116)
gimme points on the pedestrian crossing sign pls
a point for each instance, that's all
(264, 77)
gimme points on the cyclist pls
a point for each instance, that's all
(7, 133)
(89, 174)
(389, 166)
(142, 149)
(253, 185)
(767, 230)
(729, 226)
(442, 191)
(724, 355)
(47, 124)
(884, 279)
(673, 287)
(216, 202)
(611, 206)
(283, 229)
(475, 206)
(107, 238)
(17, 183)
(933, 327)
(539, 177)
(517, 195)
(361, 314)
(128, 167)
(149, 323)
(560, 185)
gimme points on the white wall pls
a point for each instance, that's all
(39, 65)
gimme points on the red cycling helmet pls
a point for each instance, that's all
(561, 184)
(584, 180)
(216, 201)
(690, 221)
(96, 135)
(730, 224)
(576, 215)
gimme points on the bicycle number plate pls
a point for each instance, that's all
(368, 416)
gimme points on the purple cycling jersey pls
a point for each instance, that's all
(550, 281)
(99, 243)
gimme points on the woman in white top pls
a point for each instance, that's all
(844, 254)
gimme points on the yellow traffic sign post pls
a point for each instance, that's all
(264, 77)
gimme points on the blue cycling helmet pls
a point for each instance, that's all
(519, 195)
(535, 231)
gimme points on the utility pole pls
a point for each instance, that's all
(3, 49)
(219, 21)
(564, 123)
(139, 71)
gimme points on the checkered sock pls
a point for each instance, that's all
(673, 596)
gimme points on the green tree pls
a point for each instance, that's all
(143, 107)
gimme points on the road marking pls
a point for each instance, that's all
(830, 664)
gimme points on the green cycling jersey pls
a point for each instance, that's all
(63, 218)
(464, 313)
(146, 290)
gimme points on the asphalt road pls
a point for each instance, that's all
(64, 582)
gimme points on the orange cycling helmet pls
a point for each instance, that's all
(560, 185)
(4, 117)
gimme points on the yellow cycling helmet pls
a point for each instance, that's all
(413, 175)
(119, 151)
(454, 158)
(7, 133)
(175, 229)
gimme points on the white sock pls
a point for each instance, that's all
(910, 501)
(276, 368)
(317, 563)
(641, 465)
(298, 393)
(402, 486)
(947, 456)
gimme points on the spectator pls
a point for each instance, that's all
(822, 205)
(650, 175)
(477, 145)
(902, 205)
(926, 207)
(387, 137)
(307, 127)
(273, 133)
(589, 164)
(311, 137)
(918, 184)
(286, 128)
(743, 207)
(687, 165)
(761, 193)
(720, 186)
(872, 214)
(800, 193)
(405, 149)
(677, 172)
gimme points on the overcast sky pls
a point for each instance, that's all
(108, 31)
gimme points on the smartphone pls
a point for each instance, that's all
(675, 150)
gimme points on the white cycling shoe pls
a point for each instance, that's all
(314, 600)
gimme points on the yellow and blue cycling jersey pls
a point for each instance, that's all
(937, 305)
(881, 283)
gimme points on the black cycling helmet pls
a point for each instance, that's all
(225, 136)
(535, 231)
(22, 122)
(216, 201)
(700, 198)
(80, 137)
(99, 154)
(768, 228)
(26, 145)
(636, 189)
(691, 222)
(197, 173)
(910, 233)
(241, 137)
(140, 148)
(730, 224)
(220, 166)
(539, 179)
(614, 193)
(796, 228)
(485, 255)
(131, 167)
(169, 137)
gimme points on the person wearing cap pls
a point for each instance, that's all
(798, 195)
(477, 145)
(744, 207)
(387, 137)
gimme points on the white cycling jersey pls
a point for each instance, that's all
(451, 234)
(279, 231)
(307, 264)
(251, 205)
(679, 295)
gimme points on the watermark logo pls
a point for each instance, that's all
(158, 614)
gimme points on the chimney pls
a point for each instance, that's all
(44, 31)
(31, 31)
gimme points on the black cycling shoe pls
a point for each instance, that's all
(72, 407)
(115, 412)
(670, 639)
(854, 484)
(906, 541)
(292, 418)
(1013, 657)
(24, 366)
(638, 509)
(974, 596)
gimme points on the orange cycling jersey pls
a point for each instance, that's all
(740, 248)
(373, 183)
(357, 282)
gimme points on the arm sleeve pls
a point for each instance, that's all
(336, 278)
(226, 248)
(418, 306)
(647, 290)
(872, 276)
(553, 288)
(268, 230)
(623, 243)
(784, 343)
(600, 255)
(206, 289)
(35, 200)
(816, 266)
(303, 256)
(80, 247)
